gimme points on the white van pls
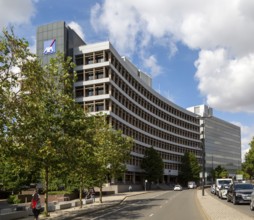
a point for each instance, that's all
(220, 182)
(192, 185)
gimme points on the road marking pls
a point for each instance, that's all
(151, 215)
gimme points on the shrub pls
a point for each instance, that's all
(13, 199)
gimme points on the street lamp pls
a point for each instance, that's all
(203, 160)
(202, 137)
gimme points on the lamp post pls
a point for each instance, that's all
(202, 137)
(203, 161)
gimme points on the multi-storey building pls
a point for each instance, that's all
(222, 141)
(109, 83)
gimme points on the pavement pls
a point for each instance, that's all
(215, 209)
(211, 208)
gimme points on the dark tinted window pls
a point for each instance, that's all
(243, 186)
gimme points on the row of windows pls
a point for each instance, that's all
(136, 161)
(91, 58)
(95, 106)
(134, 96)
(152, 141)
(92, 74)
(149, 129)
(91, 90)
(147, 93)
(143, 114)
(137, 148)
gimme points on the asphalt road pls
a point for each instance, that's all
(163, 205)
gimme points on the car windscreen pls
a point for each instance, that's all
(224, 182)
(244, 186)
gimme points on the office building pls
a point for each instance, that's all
(222, 141)
(109, 83)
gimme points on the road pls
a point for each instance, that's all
(163, 205)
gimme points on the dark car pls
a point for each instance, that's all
(239, 193)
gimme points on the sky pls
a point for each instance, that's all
(196, 51)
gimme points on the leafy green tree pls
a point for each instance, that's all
(111, 150)
(49, 113)
(37, 118)
(14, 54)
(190, 168)
(220, 172)
(248, 165)
(82, 154)
(153, 166)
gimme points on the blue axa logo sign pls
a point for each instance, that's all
(49, 47)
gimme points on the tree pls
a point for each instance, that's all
(14, 54)
(152, 165)
(190, 168)
(220, 172)
(111, 150)
(248, 165)
(37, 119)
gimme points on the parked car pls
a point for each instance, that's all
(223, 191)
(240, 193)
(212, 189)
(220, 182)
(178, 188)
(192, 185)
(252, 201)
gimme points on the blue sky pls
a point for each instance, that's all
(197, 51)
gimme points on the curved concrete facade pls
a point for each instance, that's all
(112, 84)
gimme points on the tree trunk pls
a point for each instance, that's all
(46, 190)
(81, 191)
(100, 194)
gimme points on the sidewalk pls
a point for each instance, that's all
(107, 201)
(218, 210)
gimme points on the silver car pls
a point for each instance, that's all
(252, 201)
(223, 191)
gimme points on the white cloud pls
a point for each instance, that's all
(77, 28)
(222, 30)
(152, 64)
(16, 12)
(227, 83)
(247, 136)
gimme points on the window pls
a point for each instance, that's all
(99, 107)
(99, 57)
(79, 91)
(79, 59)
(99, 74)
(89, 91)
(89, 58)
(99, 90)
(89, 75)
(80, 76)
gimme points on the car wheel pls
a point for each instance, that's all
(251, 206)
(234, 200)
(228, 200)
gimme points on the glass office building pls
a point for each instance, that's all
(222, 141)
